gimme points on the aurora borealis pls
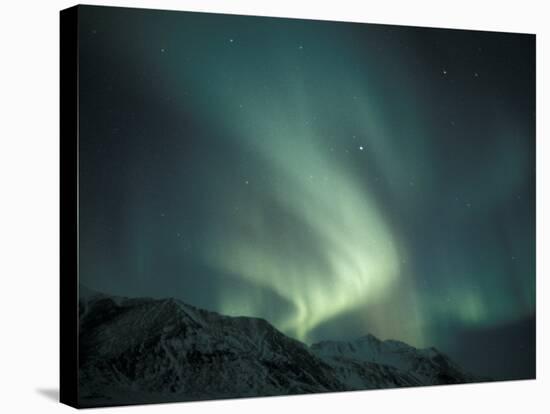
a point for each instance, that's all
(332, 178)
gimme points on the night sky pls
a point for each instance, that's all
(333, 178)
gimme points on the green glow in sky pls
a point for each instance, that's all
(335, 179)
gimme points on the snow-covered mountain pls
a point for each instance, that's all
(156, 350)
(368, 362)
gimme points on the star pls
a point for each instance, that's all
(231, 40)
(361, 148)
(444, 71)
(162, 50)
(476, 75)
(246, 182)
(300, 47)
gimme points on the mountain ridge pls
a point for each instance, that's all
(141, 350)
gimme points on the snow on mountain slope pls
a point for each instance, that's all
(417, 366)
(154, 350)
(146, 350)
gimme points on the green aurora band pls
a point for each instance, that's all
(333, 178)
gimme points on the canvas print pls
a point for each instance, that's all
(272, 206)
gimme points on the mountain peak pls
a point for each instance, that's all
(153, 350)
